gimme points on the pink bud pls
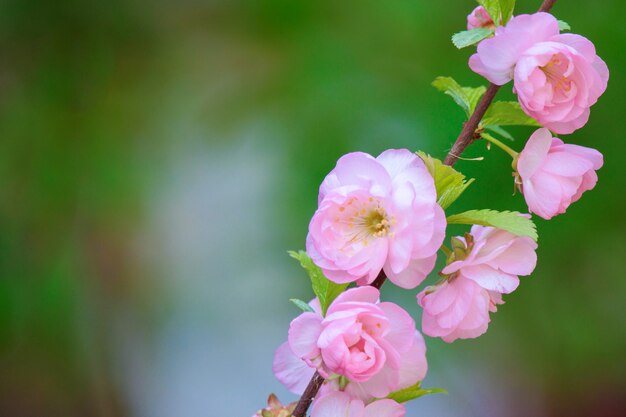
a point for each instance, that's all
(479, 18)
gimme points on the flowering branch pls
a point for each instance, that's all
(502, 225)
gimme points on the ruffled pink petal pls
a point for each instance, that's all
(591, 155)
(358, 169)
(588, 182)
(519, 259)
(378, 386)
(438, 300)
(414, 274)
(384, 408)
(396, 161)
(581, 44)
(304, 331)
(336, 404)
(401, 327)
(534, 153)
(361, 294)
(543, 197)
(290, 370)
(566, 164)
(413, 364)
(491, 279)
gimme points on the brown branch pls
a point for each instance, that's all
(546, 6)
(307, 396)
(379, 281)
(466, 137)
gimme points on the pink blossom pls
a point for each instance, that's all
(373, 345)
(479, 18)
(377, 214)
(340, 404)
(557, 77)
(485, 265)
(553, 175)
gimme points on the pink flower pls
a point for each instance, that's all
(373, 345)
(377, 214)
(479, 18)
(485, 265)
(456, 309)
(557, 77)
(339, 404)
(553, 175)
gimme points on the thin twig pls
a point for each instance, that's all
(466, 137)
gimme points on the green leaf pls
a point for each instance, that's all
(414, 392)
(511, 221)
(470, 37)
(449, 182)
(301, 305)
(499, 10)
(506, 9)
(450, 195)
(466, 97)
(563, 25)
(325, 290)
(500, 131)
(507, 113)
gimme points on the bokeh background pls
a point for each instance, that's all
(158, 159)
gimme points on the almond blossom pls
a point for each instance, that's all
(377, 214)
(373, 346)
(552, 175)
(484, 265)
(557, 77)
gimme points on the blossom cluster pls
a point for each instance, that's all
(557, 77)
(384, 217)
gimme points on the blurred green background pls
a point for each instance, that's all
(158, 158)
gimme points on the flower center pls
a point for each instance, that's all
(375, 222)
(368, 219)
(554, 71)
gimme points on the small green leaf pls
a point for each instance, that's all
(506, 9)
(500, 11)
(302, 305)
(325, 290)
(563, 25)
(511, 221)
(449, 182)
(500, 131)
(470, 37)
(414, 392)
(450, 195)
(466, 97)
(507, 113)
